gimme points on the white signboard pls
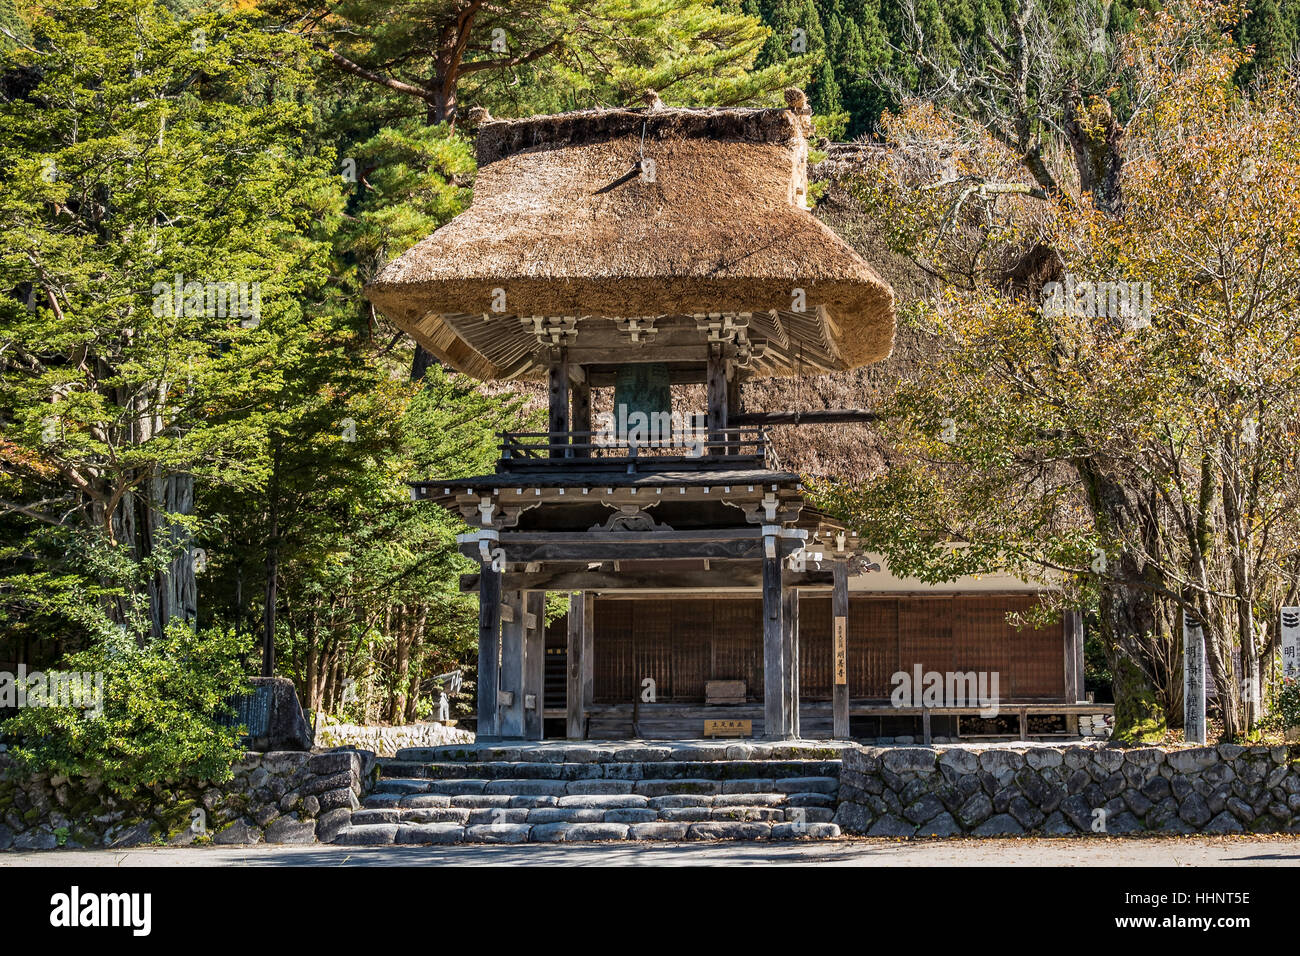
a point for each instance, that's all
(1193, 680)
(1291, 642)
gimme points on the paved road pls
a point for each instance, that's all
(1192, 851)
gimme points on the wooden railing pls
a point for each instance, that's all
(742, 447)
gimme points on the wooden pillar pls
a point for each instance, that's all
(582, 411)
(534, 663)
(1072, 625)
(558, 424)
(511, 700)
(716, 384)
(790, 652)
(489, 649)
(840, 649)
(774, 720)
(575, 726)
(588, 648)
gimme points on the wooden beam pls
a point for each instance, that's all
(716, 384)
(588, 650)
(839, 637)
(673, 353)
(582, 413)
(826, 416)
(559, 399)
(575, 728)
(511, 706)
(587, 550)
(734, 403)
(1072, 625)
(1005, 707)
(774, 721)
(790, 658)
(717, 579)
(489, 649)
(534, 664)
(679, 373)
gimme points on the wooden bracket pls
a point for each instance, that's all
(552, 330)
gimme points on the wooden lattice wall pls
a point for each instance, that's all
(684, 642)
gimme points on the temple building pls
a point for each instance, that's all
(648, 268)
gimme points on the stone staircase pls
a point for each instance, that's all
(561, 792)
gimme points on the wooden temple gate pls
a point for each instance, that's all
(570, 512)
(700, 265)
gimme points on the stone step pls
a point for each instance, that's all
(727, 771)
(648, 793)
(385, 834)
(430, 792)
(622, 752)
(488, 816)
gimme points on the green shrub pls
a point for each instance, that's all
(1285, 710)
(159, 718)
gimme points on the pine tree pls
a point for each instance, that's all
(824, 95)
(162, 240)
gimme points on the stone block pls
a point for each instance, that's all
(729, 831)
(288, 829)
(498, 833)
(416, 833)
(1002, 824)
(658, 831)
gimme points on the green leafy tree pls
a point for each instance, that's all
(161, 223)
(1135, 453)
(436, 53)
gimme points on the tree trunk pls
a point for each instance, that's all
(417, 663)
(1127, 614)
(272, 566)
(1128, 619)
(401, 666)
(1096, 138)
(421, 363)
(440, 109)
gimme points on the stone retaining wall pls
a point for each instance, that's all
(386, 741)
(278, 797)
(1068, 790)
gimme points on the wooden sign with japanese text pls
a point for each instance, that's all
(841, 650)
(728, 728)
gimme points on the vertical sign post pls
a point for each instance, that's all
(1291, 642)
(841, 650)
(1193, 680)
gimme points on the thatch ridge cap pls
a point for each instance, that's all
(500, 138)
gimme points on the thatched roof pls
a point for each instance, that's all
(849, 452)
(579, 239)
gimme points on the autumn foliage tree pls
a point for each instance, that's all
(1112, 444)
